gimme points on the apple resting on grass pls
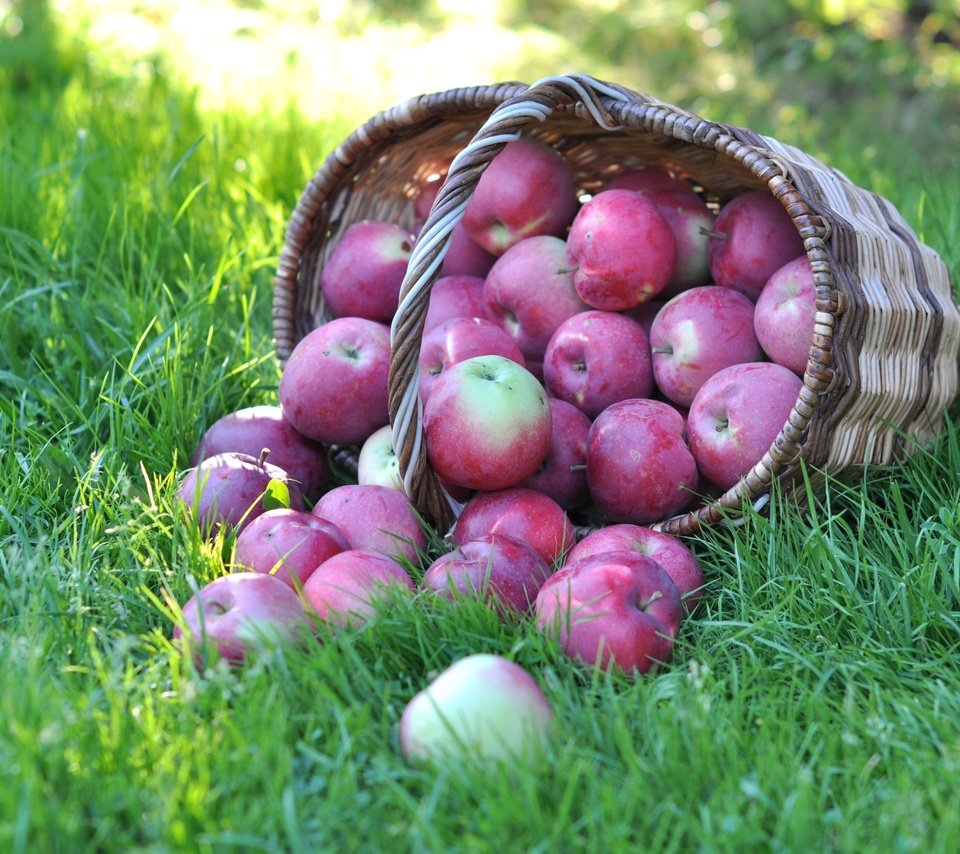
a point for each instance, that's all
(596, 358)
(374, 518)
(622, 248)
(503, 571)
(673, 556)
(614, 608)
(528, 515)
(334, 385)
(250, 430)
(753, 237)
(486, 423)
(529, 292)
(527, 189)
(363, 274)
(639, 468)
(786, 314)
(233, 489)
(239, 614)
(563, 473)
(736, 416)
(482, 707)
(458, 339)
(289, 544)
(350, 587)
(697, 333)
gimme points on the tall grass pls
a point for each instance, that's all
(811, 704)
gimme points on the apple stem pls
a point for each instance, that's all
(264, 453)
(718, 235)
(657, 594)
(664, 349)
(578, 467)
(563, 270)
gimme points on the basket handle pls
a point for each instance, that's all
(505, 124)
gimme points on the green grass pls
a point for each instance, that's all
(812, 704)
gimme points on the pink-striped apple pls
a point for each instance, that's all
(612, 609)
(486, 423)
(563, 473)
(454, 296)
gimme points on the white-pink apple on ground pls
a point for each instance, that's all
(289, 544)
(563, 473)
(461, 338)
(622, 248)
(786, 314)
(351, 587)
(697, 333)
(639, 468)
(363, 274)
(254, 428)
(736, 416)
(504, 572)
(333, 388)
(233, 489)
(596, 358)
(647, 179)
(679, 562)
(612, 609)
(454, 296)
(522, 513)
(754, 237)
(690, 220)
(527, 189)
(486, 423)
(529, 292)
(240, 614)
(377, 461)
(483, 707)
(374, 518)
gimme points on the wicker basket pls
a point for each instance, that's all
(882, 366)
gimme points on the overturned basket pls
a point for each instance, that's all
(882, 366)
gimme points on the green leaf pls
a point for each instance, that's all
(276, 495)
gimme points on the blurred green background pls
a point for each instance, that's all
(804, 69)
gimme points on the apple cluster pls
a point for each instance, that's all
(587, 362)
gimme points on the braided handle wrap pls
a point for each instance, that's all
(505, 124)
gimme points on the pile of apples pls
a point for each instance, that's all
(596, 360)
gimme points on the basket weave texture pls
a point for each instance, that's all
(882, 366)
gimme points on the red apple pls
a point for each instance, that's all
(622, 248)
(754, 237)
(786, 314)
(677, 559)
(690, 221)
(350, 587)
(597, 358)
(289, 544)
(486, 423)
(504, 571)
(527, 189)
(461, 338)
(647, 179)
(334, 385)
(363, 274)
(736, 415)
(254, 428)
(563, 473)
(525, 514)
(240, 614)
(482, 707)
(374, 518)
(464, 257)
(233, 489)
(529, 292)
(612, 609)
(639, 468)
(454, 296)
(697, 333)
